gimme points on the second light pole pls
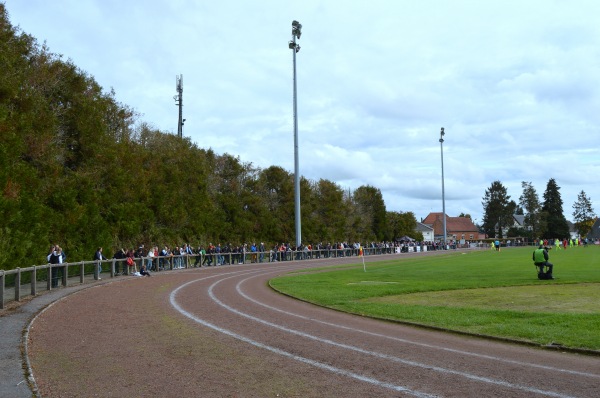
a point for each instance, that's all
(443, 198)
(296, 32)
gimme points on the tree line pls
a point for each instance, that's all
(80, 169)
(542, 219)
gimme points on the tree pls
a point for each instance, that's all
(514, 232)
(583, 214)
(497, 209)
(400, 224)
(519, 210)
(370, 213)
(277, 191)
(331, 211)
(78, 168)
(556, 223)
(530, 202)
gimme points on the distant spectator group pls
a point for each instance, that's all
(144, 260)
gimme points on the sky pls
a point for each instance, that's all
(514, 84)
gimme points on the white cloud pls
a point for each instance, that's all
(512, 83)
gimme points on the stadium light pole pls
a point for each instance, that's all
(296, 33)
(443, 197)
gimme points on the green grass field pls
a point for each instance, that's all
(483, 292)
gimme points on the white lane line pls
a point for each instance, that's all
(384, 356)
(320, 365)
(468, 353)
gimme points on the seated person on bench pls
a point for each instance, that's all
(540, 259)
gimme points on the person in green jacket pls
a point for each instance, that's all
(540, 259)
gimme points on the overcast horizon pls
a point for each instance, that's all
(512, 83)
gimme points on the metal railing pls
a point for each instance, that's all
(14, 283)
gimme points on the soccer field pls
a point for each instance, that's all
(481, 292)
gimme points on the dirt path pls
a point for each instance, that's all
(221, 332)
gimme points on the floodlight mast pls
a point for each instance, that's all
(296, 33)
(179, 102)
(443, 198)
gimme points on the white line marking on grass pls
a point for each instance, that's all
(473, 354)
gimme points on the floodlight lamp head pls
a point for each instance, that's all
(296, 29)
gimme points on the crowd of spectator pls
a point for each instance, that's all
(146, 259)
(154, 258)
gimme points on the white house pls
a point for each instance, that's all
(427, 231)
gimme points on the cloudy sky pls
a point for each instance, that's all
(515, 84)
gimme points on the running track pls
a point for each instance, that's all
(337, 354)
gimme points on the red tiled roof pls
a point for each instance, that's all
(432, 217)
(453, 224)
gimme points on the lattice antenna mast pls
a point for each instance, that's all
(179, 102)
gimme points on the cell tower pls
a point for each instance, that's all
(179, 102)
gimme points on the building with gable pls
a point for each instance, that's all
(594, 233)
(426, 231)
(457, 228)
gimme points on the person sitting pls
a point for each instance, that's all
(143, 270)
(540, 260)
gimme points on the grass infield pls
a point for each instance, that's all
(483, 292)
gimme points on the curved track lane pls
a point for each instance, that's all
(283, 347)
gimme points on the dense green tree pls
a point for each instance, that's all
(530, 202)
(497, 208)
(583, 214)
(370, 217)
(277, 187)
(556, 223)
(514, 232)
(331, 212)
(401, 224)
(519, 210)
(79, 169)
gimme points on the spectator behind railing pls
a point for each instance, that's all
(130, 261)
(176, 258)
(227, 254)
(200, 254)
(56, 256)
(165, 253)
(99, 257)
(152, 254)
(230, 254)
(120, 264)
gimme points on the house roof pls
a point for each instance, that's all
(423, 228)
(595, 231)
(460, 224)
(432, 217)
(519, 218)
(453, 224)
